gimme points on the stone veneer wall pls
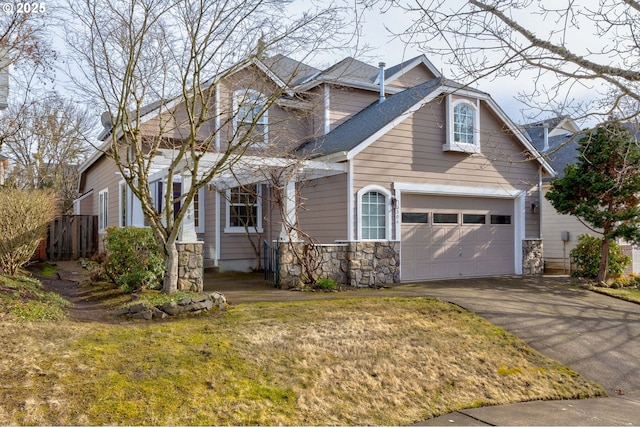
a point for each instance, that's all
(190, 267)
(359, 263)
(532, 260)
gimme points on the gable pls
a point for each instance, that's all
(412, 152)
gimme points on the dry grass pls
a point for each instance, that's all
(627, 294)
(349, 361)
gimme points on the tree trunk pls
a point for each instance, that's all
(604, 261)
(170, 285)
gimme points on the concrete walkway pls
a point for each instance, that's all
(595, 335)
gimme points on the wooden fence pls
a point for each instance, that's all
(69, 237)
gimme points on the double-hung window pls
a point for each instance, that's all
(251, 118)
(244, 210)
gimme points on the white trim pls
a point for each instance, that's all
(456, 190)
(216, 96)
(236, 230)
(387, 213)
(103, 210)
(350, 204)
(218, 231)
(451, 144)
(327, 109)
(518, 230)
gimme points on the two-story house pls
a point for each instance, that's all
(391, 154)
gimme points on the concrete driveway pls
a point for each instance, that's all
(595, 335)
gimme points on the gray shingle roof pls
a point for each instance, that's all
(350, 69)
(367, 122)
(562, 150)
(289, 70)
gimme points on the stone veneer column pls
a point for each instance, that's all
(532, 259)
(190, 266)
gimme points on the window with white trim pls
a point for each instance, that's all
(374, 207)
(251, 116)
(463, 131)
(103, 210)
(244, 209)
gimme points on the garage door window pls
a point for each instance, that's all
(445, 218)
(500, 219)
(474, 219)
(415, 218)
(374, 218)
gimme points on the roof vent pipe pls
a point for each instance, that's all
(381, 80)
(546, 137)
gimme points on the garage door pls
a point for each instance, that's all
(447, 237)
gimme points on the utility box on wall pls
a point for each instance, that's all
(564, 236)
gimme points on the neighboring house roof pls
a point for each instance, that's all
(562, 145)
(366, 126)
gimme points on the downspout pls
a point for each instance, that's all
(381, 81)
(327, 109)
(540, 202)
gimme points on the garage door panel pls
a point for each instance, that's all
(475, 248)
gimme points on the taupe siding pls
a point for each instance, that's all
(412, 152)
(103, 174)
(413, 77)
(324, 212)
(236, 246)
(345, 102)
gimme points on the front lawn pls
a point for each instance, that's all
(345, 361)
(627, 294)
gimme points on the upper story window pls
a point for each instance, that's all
(463, 126)
(244, 210)
(251, 116)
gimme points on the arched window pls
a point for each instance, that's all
(374, 213)
(464, 124)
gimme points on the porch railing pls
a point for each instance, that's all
(271, 263)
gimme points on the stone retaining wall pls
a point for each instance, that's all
(190, 266)
(185, 307)
(532, 259)
(359, 263)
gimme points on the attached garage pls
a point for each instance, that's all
(451, 236)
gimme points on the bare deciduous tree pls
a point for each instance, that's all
(166, 59)
(578, 57)
(45, 139)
